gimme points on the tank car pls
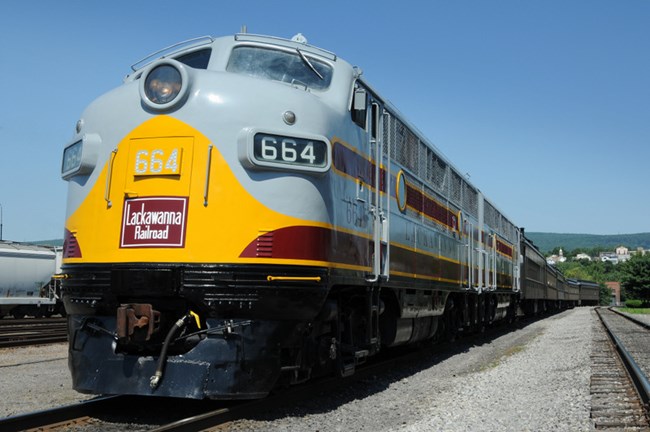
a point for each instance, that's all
(27, 286)
(247, 211)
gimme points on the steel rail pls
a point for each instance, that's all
(39, 419)
(631, 318)
(212, 418)
(32, 329)
(33, 341)
(639, 379)
(10, 322)
(33, 334)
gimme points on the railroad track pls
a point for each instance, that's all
(381, 366)
(191, 415)
(32, 331)
(60, 416)
(620, 364)
(213, 418)
(110, 412)
(168, 414)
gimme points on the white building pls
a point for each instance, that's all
(609, 256)
(554, 259)
(622, 253)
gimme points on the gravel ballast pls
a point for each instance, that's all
(35, 378)
(534, 378)
(544, 386)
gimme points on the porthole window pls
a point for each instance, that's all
(400, 191)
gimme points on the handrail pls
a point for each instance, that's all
(206, 188)
(109, 175)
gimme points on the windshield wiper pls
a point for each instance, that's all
(308, 63)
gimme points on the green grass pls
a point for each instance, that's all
(635, 310)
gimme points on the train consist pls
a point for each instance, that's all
(246, 211)
(27, 282)
(546, 289)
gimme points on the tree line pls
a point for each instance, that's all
(634, 274)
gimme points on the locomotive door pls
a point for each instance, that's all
(467, 263)
(489, 264)
(379, 203)
(494, 281)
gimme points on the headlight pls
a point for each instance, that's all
(164, 85)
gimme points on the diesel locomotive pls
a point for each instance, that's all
(247, 211)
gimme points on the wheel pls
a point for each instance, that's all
(452, 321)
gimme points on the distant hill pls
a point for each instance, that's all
(548, 241)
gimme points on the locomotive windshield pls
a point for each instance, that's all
(196, 59)
(290, 67)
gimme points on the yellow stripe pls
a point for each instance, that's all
(293, 278)
(420, 276)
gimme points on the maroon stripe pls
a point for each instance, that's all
(323, 244)
(354, 165)
(504, 248)
(310, 243)
(431, 208)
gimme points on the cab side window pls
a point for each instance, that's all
(359, 107)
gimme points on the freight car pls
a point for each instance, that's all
(247, 210)
(27, 286)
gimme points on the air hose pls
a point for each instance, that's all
(178, 326)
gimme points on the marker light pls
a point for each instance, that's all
(71, 158)
(80, 157)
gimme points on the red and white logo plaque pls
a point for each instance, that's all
(154, 222)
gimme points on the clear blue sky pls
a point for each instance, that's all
(546, 104)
